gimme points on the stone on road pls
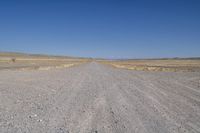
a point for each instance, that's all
(93, 98)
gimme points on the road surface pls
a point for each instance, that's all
(93, 98)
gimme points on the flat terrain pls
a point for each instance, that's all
(96, 98)
(21, 61)
(170, 65)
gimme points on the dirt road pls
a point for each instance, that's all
(93, 98)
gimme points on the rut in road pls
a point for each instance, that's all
(97, 98)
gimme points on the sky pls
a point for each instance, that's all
(101, 28)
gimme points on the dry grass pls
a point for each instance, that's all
(157, 65)
(37, 62)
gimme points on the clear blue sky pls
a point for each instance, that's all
(101, 28)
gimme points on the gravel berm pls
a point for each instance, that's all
(95, 98)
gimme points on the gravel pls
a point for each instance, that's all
(94, 98)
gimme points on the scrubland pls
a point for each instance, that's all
(11, 61)
(173, 65)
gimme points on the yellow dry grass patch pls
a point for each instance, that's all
(37, 63)
(157, 65)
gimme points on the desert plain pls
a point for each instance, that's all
(55, 94)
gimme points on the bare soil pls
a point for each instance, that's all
(95, 98)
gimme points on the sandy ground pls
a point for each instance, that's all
(93, 98)
(164, 65)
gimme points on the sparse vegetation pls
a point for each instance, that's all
(173, 65)
(37, 62)
(13, 60)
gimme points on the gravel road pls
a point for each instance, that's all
(94, 98)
